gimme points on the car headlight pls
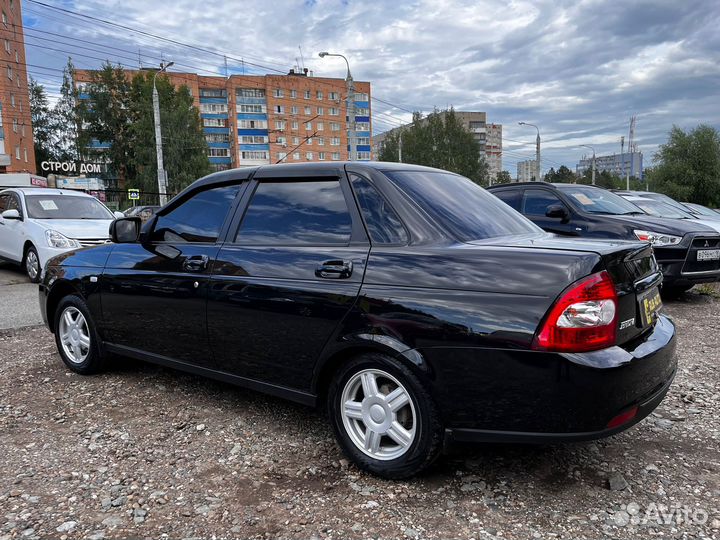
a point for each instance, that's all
(658, 239)
(59, 240)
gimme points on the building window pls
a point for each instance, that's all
(17, 57)
(296, 140)
(213, 108)
(320, 110)
(308, 156)
(335, 141)
(253, 139)
(17, 152)
(293, 93)
(363, 140)
(218, 152)
(279, 92)
(363, 155)
(320, 141)
(307, 94)
(214, 122)
(213, 92)
(217, 137)
(319, 94)
(308, 126)
(361, 96)
(308, 111)
(255, 154)
(281, 155)
(252, 124)
(280, 124)
(309, 140)
(293, 110)
(280, 109)
(252, 109)
(7, 46)
(15, 125)
(334, 111)
(4, 18)
(362, 111)
(336, 156)
(334, 126)
(282, 140)
(296, 156)
(12, 99)
(321, 156)
(9, 72)
(320, 126)
(294, 124)
(334, 95)
(362, 126)
(25, 153)
(250, 92)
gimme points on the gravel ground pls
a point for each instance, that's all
(148, 452)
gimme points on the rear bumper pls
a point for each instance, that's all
(529, 396)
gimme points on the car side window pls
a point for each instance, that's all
(198, 219)
(3, 202)
(536, 201)
(383, 224)
(511, 197)
(13, 203)
(304, 212)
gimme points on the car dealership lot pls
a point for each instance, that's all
(143, 451)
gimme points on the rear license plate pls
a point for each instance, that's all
(650, 304)
(708, 255)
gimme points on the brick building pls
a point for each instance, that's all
(17, 152)
(260, 119)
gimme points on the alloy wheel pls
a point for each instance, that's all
(32, 264)
(378, 414)
(74, 335)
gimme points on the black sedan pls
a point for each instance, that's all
(688, 251)
(408, 301)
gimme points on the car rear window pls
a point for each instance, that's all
(460, 205)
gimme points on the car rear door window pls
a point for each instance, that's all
(288, 213)
(511, 197)
(536, 201)
(198, 219)
(383, 224)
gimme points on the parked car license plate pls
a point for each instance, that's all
(650, 304)
(708, 255)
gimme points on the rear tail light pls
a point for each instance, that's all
(623, 418)
(584, 318)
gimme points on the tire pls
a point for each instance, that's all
(76, 337)
(31, 264)
(673, 292)
(408, 433)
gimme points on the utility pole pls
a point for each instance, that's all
(593, 161)
(161, 174)
(537, 150)
(350, 89)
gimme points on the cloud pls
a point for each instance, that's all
(578, 69)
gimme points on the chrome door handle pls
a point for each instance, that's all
(334, 269)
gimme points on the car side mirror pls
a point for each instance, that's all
(556, 211)
(125, 230)
(11, 214)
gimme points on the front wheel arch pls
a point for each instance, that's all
(59, 290)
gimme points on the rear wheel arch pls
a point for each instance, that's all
(59, 290)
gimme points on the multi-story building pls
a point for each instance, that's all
(488, 137)
(17, 151)
(260, 119)
(527, 170)
(619, 164)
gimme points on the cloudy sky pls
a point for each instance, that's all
(577, 69)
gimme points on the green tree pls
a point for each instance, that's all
(184, 147)
(687, 166)
(64, 120)
(439, 140)
(563, 174)
(41, 123)
(503, 177)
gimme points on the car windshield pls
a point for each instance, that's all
(65, 207)
(458, 204)
(599, 201)
(702, 210)
(660, 209)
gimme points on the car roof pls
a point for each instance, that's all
(47, 191)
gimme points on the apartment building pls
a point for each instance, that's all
(488, 137)
(619, 164)
(526, 170)
(261, 119)
(17, 151)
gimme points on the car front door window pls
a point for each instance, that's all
(537, 201)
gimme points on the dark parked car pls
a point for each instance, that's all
(688, 252)
(408, 301)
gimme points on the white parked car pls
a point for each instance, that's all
(38, 223)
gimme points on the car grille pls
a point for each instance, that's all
(692, 265)
(88, 242)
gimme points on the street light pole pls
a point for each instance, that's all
(161, 175)
(593, 161)
(350, 107)
(537, 149)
